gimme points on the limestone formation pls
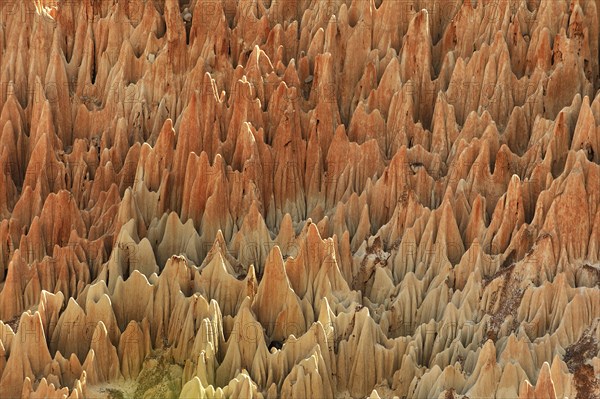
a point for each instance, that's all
(300, 199)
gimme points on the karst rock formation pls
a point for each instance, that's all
(300, 199)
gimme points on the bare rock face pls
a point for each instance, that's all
(299, 199)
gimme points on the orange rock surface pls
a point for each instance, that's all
(300, 199)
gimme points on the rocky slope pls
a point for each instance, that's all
(300, 199)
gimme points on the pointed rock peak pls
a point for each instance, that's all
(253, 218)
(274, 268)
(166, 136)
(544, 388)
(219, 243)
